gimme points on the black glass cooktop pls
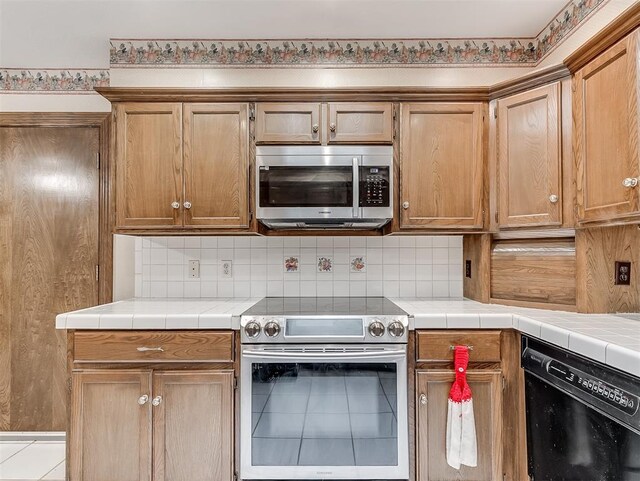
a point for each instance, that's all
(300, 306)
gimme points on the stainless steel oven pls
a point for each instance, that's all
(324, 395)
(324, 186)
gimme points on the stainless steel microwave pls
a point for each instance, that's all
(324, 187)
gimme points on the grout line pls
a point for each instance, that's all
(26, 446)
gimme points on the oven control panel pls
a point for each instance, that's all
(323, 329)
(606, 392)
(374, 186)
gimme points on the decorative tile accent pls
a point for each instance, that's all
(352, 52)
(53, 81)
(161, 267)
(291, 264)
(325, 264)
(358, 264)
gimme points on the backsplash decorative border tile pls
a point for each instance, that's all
(411, 266)
(53, 80)
(264, 53)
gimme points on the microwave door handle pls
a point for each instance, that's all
(356, 187)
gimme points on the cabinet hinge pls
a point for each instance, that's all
(252, 114)
(235, 382)
(496, 216)
(98, 160)
(97, 272)
(495, 112)
(504, 383)
(235, 476)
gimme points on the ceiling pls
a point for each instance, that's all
(290, 18)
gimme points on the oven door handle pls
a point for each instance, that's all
(364, 356)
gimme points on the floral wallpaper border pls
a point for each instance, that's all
(27, 80)
(521, 52)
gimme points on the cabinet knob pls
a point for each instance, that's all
(423, 399)
(187, 205)
(157, 400)
(142, 400)
(553, 198)
(175, 205)
(630, 182)
(315, 128)
(405, 205)
(332, 127)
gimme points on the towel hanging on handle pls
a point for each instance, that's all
(461, 427)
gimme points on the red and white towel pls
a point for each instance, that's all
(461, 427)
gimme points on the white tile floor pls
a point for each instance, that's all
(24, 459)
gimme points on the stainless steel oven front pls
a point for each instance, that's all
(307, 186)
(324, 411)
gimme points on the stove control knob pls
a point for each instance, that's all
(376, 329)
(272, 329)
(396, 329)
(252, 329)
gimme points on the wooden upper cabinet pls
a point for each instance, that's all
(216, 165)
(193, 426)
(110, 426)
(529, 158)
(606, 134)
(148, 163)
(431, 426)
(441, 165)
(360, 123)
(288, 123)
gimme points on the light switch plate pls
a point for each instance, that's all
(194, 269)
(226, 269)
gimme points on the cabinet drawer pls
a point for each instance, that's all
(153, 346)
(436, 346)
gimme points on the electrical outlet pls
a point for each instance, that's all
(467, 268)
(194, 269)
(623, 273)
(226, 269)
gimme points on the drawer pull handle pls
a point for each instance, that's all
(147, 349)
(452, 348)
(142, 400)
(157, 400)
(423, 399)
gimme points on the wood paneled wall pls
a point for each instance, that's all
(597, 251)
(49, 225)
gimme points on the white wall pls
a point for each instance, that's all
(409, 266)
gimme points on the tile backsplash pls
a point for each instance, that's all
(416, 266)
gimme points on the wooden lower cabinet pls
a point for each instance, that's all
(193, 426)
(431, 426)
(144, 425)
(110, 430)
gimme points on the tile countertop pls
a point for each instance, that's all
(607, 338)
(149, 313)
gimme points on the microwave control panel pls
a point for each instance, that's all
(374, 186)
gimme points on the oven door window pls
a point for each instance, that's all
(306, 186)
(324, 414)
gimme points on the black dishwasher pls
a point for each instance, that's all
(583, 422)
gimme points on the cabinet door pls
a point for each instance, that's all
(148, 162)
(360, 123)
(216, 165)
(110, 434)
(606, 133)
(288, 123)
(431, 426)
(193, 426)
(529, 158)
(441, 166)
